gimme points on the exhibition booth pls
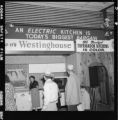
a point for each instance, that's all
(32, 50)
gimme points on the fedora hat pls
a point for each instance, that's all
(70, 67)
(48, 74)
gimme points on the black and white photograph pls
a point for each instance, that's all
(59, 56)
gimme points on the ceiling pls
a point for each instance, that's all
(92, 6)
(78, 14)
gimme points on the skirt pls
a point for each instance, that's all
(35, 98)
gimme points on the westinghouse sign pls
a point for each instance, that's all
(20, 45)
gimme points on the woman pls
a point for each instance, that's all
(10, 104)
(34, 89)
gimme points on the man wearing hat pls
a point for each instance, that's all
(72, 90)
(51, 91)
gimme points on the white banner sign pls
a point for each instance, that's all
(38, 45)
(95, 45)
(41, 68)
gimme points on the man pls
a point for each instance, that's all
(72, 90)
(51, 91)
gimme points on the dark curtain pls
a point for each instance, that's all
(99, 79)
(93, 72)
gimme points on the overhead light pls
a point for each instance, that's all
(116, 8)
(6, 32)
(11, 25)
(116, 23)
(106, 23)
(107, 19)
(107, 33)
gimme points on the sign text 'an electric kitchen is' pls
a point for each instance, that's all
(26, 38)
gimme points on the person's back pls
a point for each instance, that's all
(51, 89)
